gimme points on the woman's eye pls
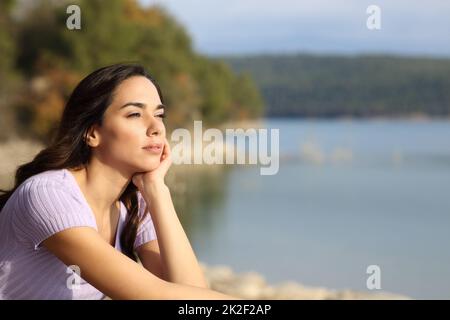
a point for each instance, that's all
(133, 115)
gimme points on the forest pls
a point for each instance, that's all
(42, 60)
(305, 85)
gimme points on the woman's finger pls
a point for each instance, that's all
(166, 150)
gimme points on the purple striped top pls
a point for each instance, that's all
(41, 206)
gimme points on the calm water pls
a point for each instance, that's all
(348, 194)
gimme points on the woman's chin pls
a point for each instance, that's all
(149, 166)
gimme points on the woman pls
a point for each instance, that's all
(87, 204)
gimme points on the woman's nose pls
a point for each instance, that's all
(156, 128)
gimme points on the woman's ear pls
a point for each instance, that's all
(92, 137)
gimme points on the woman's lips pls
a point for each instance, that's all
(154, 148)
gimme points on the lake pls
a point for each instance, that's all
(348, 194)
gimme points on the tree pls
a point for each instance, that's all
(8, 78)
(55, 58)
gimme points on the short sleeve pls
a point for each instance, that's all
(146, 231)
(46, 208)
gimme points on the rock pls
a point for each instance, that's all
(252, 285)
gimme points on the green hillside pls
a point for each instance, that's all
(330, 86)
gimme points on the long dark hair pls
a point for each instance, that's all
(68, 148)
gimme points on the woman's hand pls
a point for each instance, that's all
(143, 180)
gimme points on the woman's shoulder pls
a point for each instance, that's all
(50, 176)
(46, 203)
(46, 186)
(58, 178)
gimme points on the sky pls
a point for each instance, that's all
(241, 27)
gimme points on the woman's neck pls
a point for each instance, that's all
(102, 187)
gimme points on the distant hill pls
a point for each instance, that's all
(331, 86)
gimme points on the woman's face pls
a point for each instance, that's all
(132, 122)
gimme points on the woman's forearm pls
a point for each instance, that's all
(183, 292)
(180, 263)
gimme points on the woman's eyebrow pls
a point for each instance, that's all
(141, 105)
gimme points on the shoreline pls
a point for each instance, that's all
(252, 285)
(406, 118)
